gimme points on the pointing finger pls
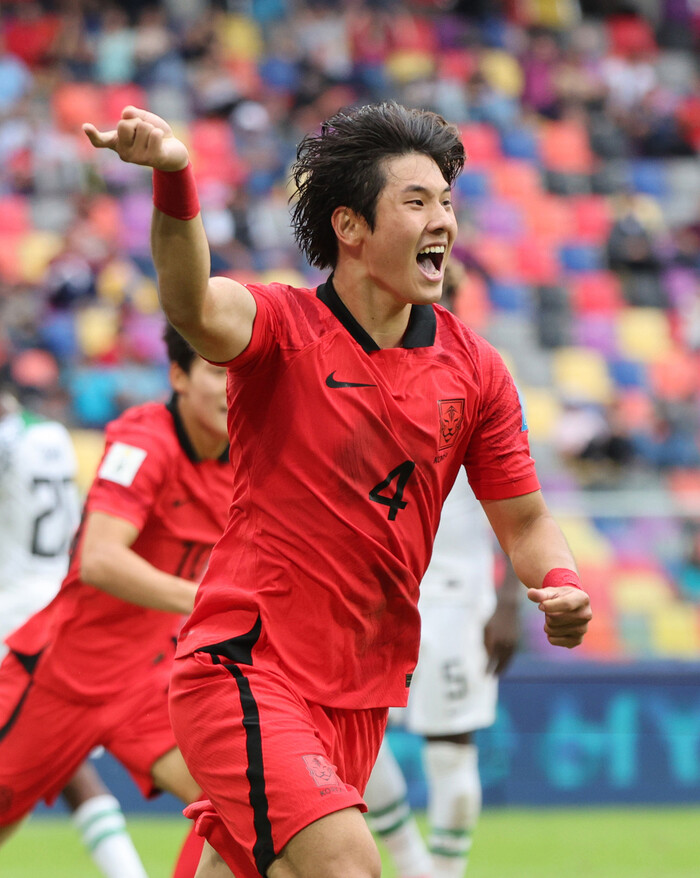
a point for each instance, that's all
(100, 139)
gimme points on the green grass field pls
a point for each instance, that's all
(510, 843)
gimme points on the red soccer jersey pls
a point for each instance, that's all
(150, 476)
(343, 455)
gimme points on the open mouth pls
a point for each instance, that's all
(430, 261)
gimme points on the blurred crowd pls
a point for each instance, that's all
(579, 208)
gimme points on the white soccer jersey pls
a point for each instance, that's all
(39, 512)
(462, 564)
(451, 691)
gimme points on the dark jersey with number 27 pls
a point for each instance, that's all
(343, 455)
(150, 476)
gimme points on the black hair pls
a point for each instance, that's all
(179, 350)
(342, 166)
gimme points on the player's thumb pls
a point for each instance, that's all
(538, 595)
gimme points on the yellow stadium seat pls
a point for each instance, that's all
(96, 329)
(406, 65)
(643, 334)
(581, 375)
(641, 590)
(675, 631)
(502, 71)
(542, 411)
(240, 37)
(35, 252)
(89, 445)
(585, 541)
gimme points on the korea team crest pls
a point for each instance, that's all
(322, 771)
(451, 413)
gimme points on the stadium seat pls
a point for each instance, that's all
(581, 375)
(517, 180)
(595, 331)
(510, 296)
(591, 217)
(577, 257)
(585, 541)
(548, 218)
(564, 147)
(96, 331)
(520, 142)
(15, 218)
(643, 334)
(35, 250)
(499, 218)
(73, 103)
(481, 143)
(630, 35)
(497, 256)
(596, 292)
(640, 588)
(675, 631)
(676, 376)
(115, 97)
(649, 177)
(627, 373)
(542, 411)
(536, 262)
(456, 64)
(89, 445)
(473, 182)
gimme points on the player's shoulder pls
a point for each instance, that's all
(454, 335)
(151, 423)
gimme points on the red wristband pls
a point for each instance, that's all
(175, 193)
(559, 576)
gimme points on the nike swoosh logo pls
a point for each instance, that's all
(331, 382)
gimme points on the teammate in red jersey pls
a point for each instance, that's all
(93, 667)
(356, 404)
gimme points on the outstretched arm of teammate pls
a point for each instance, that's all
(536, 547)
(214, 314)
(107, 562)
(502, 630)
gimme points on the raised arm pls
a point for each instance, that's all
(543, 562)
(214, 314)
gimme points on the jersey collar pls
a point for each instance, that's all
(182, 436)
(420, 332)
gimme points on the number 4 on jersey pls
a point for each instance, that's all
(402, 473)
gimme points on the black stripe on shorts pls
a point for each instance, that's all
(231, 653)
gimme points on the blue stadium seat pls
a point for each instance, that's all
(520, 143)
(510, 296)
(649, 176)
(627, 373)
(581, 257)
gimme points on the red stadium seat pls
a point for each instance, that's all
(516, 179)
(565, 148)
(73, 103)
(481, 143)
(592, 218)
(596, 292)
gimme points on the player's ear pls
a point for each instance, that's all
(178, 378)
(348, 226)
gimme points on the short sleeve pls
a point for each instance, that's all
(497, 459)
(263, 341)
(131, 473)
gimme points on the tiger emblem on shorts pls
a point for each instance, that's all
(321, 770)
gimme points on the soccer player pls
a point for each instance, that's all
(39, 512)
(469, 632)
(356, 404)
(93, 667)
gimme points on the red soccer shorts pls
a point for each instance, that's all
(269, 762)
(44, 738)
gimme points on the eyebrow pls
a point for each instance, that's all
(422, 189)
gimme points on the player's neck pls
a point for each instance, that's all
(382, 317)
